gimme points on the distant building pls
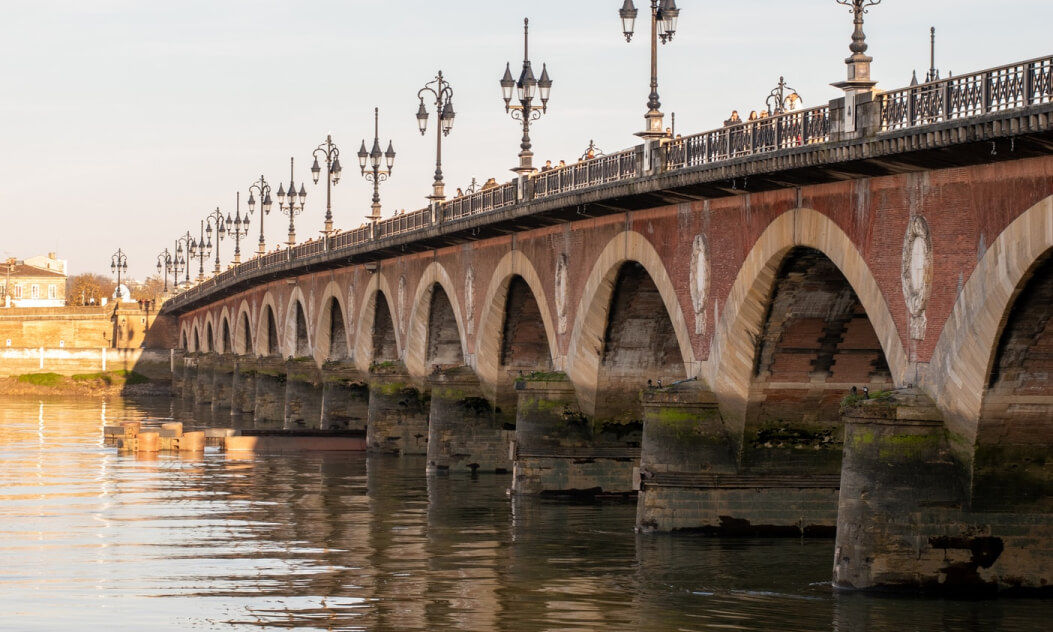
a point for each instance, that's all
(34, 282)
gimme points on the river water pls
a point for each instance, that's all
(93, 540)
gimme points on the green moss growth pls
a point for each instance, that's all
(41, 379)
(120, 376)
(851, 400)
(543, 376)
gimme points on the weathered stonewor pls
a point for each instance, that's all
(223, 368)
(203, 389)
(463, 432)
(269, 411)
(904, 521)
(178, 368)
(345, 398)
(398, 412)
(303, 394)
(559, 450)
(189, 382)
(243, 390)
(691, 479)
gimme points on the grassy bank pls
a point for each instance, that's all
(104, 382)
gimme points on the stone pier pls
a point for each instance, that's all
(559, 450)
(905, 521)
(178, 369)
(303, 395)
(189, 382)
(345, 398)
(243, 396)
(223, 383)
(269, 405)
(398, 412)
(463, 431)
(691, 476)
(203, 388)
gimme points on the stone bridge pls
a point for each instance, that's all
(838, 318)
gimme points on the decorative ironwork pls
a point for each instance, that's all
(374, 173)
(442, 91)
(1013, 86)
(291, 203)
(592, 151)
(262, 189)
(779, 101)
(215, 218)
(524, 89)
(331, 154)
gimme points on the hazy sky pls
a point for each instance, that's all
(124, 122)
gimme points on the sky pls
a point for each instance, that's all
(123, 123)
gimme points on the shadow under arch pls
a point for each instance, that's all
(733, 353)
(296, 333)
(364, 353)
(490, 332)
(268, 342)
(243, 331)
(325, 347)
(586, 349)
(417, 331)
(225, 339)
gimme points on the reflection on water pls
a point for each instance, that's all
(90, 540)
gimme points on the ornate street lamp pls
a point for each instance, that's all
(664, 15)
(525, 89)
(858, 62)
(592, 151)
(374, 173)
(164, 264)
(443, 93)
(201, 251)
(331, 154)
(119, 266)
(215, 218)
(237, 228)
(262, 189)
(780, 101)
(291, 203)
(182, 261)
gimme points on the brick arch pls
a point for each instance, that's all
(585, 352)
(262, 338)
(416, 350)
(965, 352)
(225, 336)
(243, 335)
(732, 357)
(293, 345)
(488, 341)
(208, 328)
(184, 335)
(363, 349)
(323, 324)
(195, 336)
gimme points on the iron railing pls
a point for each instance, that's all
(1006, 87)
(623, 165)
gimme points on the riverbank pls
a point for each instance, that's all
(120, 382)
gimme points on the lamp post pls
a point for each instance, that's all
(291, 203)
(858, 62)
(237, 228)
(525, 89)
(777, 99)
(201, 251)
(664, 15)
(262, 189)
(215, 218)
(164, 264)
(375, 174)
(182, 262)
(443, 93)
(119, 266)
(331, 154)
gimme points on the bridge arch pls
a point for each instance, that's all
(378, 300)
(585, 354)
(966, 351)
(209, 328)
(428, 318)
(734, 350)
(490, 332)
(332, 337)
(184, 336)
(268, 342)
(297, 332)
(195, 336)
(226, 339)
(243, 338)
